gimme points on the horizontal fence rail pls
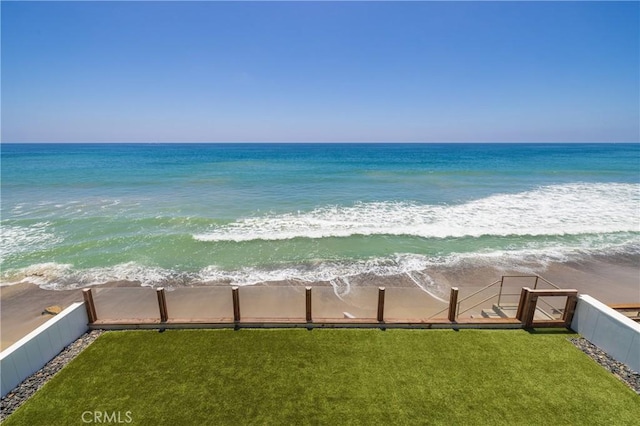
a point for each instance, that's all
(312, 301)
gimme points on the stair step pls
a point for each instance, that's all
(505, 311)
(488, 313)
(541, 315)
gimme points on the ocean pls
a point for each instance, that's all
(75, 215)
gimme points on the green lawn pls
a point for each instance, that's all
(333, 377)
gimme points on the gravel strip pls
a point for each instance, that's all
(31, 384)
(618, 369)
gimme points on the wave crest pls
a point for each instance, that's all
(552, 210)
(342, 275)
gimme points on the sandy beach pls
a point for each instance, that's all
(22, 308)
(609, 279)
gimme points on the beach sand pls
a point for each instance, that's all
(22, 309)
(609, 279)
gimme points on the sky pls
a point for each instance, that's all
(320, 71)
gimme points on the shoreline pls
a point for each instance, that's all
(610, 279)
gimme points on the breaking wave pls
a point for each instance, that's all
(341, 274)
(572, 209)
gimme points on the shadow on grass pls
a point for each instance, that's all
(565, 331)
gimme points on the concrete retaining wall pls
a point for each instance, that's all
(608, 329)
(37, 348)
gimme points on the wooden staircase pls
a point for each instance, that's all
(630, 310)
(510, 310)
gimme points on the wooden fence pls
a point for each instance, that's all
(529, 314)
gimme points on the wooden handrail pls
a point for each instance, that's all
(555, 292)
(482, 289)
(477, 304)
(625, 306)
(469, 296)
(537, 277)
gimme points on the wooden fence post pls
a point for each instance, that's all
(162, 304)
(453, 303)
(236, 303)
(524, 293)
(380, 304)
(530, 309)
(569, 310)
(89, 305)
(308, 303)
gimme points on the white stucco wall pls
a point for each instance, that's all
(36, 349)
(608, 329)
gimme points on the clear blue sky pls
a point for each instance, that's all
(316, 71)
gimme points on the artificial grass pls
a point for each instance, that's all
(295, 376)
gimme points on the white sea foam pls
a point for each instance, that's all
(571, 209)
(427, 284)
(341, 286)
(416, 266)
(342, 275)
(60, 276)
(56, 276)
(75, 209)
(20, 239)
(42, 274)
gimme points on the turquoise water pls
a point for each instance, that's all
(76, 215)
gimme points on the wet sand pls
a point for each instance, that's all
(609, 279)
